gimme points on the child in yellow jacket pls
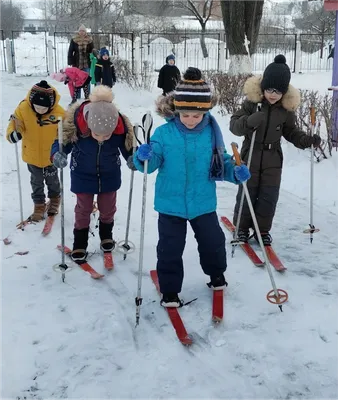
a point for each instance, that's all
(35, 121)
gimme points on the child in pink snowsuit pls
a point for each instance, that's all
(76, 79)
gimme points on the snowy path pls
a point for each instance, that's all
(78, 340)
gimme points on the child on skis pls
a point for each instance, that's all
(269, 109)
(35, 122)
(189, 153)
(169, 75)
(95, 134)
(76, 80)
(104, 69)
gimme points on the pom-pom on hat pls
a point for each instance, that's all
(192, 93)
(277, 75)
(101, 114)
(42, 95)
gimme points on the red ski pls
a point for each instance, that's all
(274, 260)
(217, 306)
(48, 225)
(108, 260)
(249, 251)
(174, 316)
(84, 265)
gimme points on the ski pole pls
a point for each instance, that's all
(63, 267)
(127, 246)
(235, 240)
(312, 228)
(22, 223)
(147, 122)
(275, 296)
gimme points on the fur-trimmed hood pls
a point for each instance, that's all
(252, 89)
(70, 133)
(165, 105)
(79, 39)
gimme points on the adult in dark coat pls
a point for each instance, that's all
(79, 51)
(270, 110)
(169, 75)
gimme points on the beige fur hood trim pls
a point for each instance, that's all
(252, 90)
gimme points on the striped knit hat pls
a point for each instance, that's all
(192, 93)
(42, 95)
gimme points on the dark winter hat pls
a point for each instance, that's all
(104, 51)
(192, 93)
(277, 75)
(42, 95)
(171, 57)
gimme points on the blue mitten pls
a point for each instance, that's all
(144, 152)
(242, 173)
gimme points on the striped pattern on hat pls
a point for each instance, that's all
(192, 95)
(42, 88)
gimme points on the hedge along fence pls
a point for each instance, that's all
(229, 90)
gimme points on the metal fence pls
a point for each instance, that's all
(190, 48)
(29, 57)
(120, 45)
(31, 53)
(3, 65)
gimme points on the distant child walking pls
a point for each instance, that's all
(104, 69)
(169, 75)
(269, 109)
(190, 156)
(95, 134)
(35, 122)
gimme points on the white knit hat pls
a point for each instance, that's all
(82, 28)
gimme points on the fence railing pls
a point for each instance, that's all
(39, 54)
(3, 65)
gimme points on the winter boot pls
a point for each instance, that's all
(243, 235)
(106, 236)
(171, 300)
(53, 206)
(266, 238)
(217, 282)
(80, 244)
(38, 213)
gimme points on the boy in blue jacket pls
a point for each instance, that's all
(95, 133)
(189, 153)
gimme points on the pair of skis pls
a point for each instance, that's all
(250, 252)
(176, 320)
(85, 266)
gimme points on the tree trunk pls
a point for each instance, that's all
(203, 44)
(241, 21)
(253, 16)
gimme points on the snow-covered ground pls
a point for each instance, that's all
(78, 339)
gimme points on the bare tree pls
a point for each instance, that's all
(97, 14)
(318, 23)
(11, 18)
(202, 11)
(241, 23)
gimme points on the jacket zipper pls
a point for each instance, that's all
(98, 164)
(262, 151)
(186, 180)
